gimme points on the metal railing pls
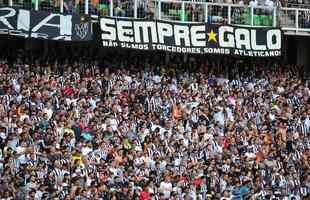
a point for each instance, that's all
(217, 13)
(290, 19)
(293, 19)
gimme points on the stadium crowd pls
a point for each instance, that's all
(140, 128)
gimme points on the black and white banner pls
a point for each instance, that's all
(199, 38)
(44, 25)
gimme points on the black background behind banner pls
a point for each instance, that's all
(212, 45)
(50, 26)
(240, 41)
(79, 21)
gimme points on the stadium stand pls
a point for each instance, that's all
(154, 100)
(143, 127)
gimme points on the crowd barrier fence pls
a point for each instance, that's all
(288, 18)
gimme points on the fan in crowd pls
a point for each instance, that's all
(153, 132)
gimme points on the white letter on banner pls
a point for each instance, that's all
(62, 37)
(10, 14)
(145, 26)
(242, 41)
(23, 20)
(108, 32)
(181, 32)
(164, 30)
(64, 26)
(254, 44)
(198, 36)
(230, 42)
(124, 31)
(274, 33)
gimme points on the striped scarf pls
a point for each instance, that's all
(32, 163)
(117, 77)
(148, 84)
(251, 115)
(59, 173)
(215, 146)
(40, 106)
(100, 152)
(236, 83)
(304, 191)
(7, 100)
(64, 161)
(304, 126)
(296, 156)
(195, 118)
(15, 164)
(154, 104)
(147, 105)
(41, 174)
(56, 103)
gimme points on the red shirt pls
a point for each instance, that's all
(226, 143)
(197, 182)
(144, 195)
(82, 125)
(68, 90)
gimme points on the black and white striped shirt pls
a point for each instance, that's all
(294, 101)
(304, 126)
(59, 173)
(236, 83)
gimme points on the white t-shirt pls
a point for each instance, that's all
(23, 117)
(38, 195)
(269, 4)
(48, 112)
(253, 3)
(114, 124)
(166, 189)
(307, 122)
(86, 150)
(157, 79)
